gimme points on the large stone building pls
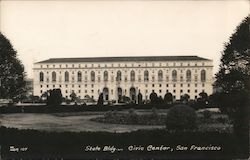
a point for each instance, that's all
(118, 76)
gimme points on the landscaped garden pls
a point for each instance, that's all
(203, 120)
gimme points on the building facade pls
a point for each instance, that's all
(125, 76)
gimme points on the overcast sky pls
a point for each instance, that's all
(41, 30)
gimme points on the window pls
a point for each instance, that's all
(41, 86)
(181, 91)
(119, 76)
(92, 75)
(160, 91)
(188, 91)
(195, 78)
(188, 76)
(174, 75)
(79, 76)
(167, 78)
(53, 76)
(160, 75)
(132, 76)
(105, 76)
(41, 77)
(174, 85)
(146, 75)
(174, 90)
(139, 78)
(41, 91)
(203, 75)
(66, 76)
(203, 85)
(181, 78)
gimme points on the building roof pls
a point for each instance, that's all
(123, 59)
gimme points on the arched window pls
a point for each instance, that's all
(132, 76)
(119, 76)
(146, 75)
(174, 75)
(160, 75)
(66, 76)
(53, 76)
(188, 76)
(203, 75)
(41, 77)
(92, 75)
(79, 76)
(105, 75)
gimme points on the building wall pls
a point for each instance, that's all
(94, 88)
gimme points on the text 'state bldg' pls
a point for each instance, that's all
(118, 76)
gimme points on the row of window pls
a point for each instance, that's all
(132, 76)
(119, 65)
(146, 85)
(125, 91)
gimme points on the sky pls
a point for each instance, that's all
(40, 30)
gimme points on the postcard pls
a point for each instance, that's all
(124, 79)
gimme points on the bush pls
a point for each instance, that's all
(181, 118)
(207, 114)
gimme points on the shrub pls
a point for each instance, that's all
(154, 112)
(207, 114)
(133, 117)
(181, 118)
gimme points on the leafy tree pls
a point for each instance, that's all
(54, 97)
(185, 98)
(73, 96)
(153, 97)
(233, 77)
(139, 98)
(12, 73)
(100, 100)
(160, 100)
(234, 68)
(168, 98)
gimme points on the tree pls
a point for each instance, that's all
(12, 84)
(153, 97)
(185, 98)
(100, 100)
(234, 68)
(139, 98)
(54, 97)
(233, 77)
(168, 98)
(73, 96)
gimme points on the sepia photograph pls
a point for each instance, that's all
(123, 79)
